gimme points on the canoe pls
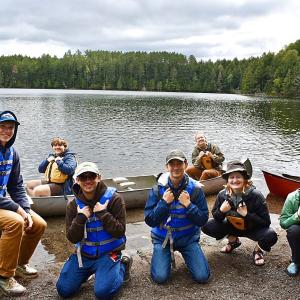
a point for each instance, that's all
(134, 191)
(281, 184)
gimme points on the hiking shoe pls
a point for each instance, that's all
(24, 271)
(127, 261)
(10, 287)
(292, 269)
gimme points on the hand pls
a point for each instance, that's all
(184, 198)
(168, 196)
(99, 207)
(201, 154)
(85, 210)
(225, 207)
(28, 223)
(209, 154)
(58, 158)
(242, 209)
(50, 158)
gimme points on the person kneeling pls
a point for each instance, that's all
(95, 222)
(241, 211)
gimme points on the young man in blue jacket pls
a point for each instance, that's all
(21, 227)
(176, 209)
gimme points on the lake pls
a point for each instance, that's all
(129, 133)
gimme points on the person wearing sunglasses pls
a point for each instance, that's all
(95, 223)
(58, 168)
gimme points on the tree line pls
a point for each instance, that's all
(276, 74)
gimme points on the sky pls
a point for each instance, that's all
(212, 29)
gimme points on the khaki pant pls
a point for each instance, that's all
(198, 174)
(16, 245)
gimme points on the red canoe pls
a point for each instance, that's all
(281, 184)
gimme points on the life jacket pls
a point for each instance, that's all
(176, 223)
(6, 163)
(96, 239)
(53, 174)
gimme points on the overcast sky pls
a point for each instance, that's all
(208, 29)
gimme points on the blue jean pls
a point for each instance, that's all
(109, 276)
(192, 254)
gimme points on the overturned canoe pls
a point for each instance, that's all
(281, 184)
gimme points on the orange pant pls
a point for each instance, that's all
(198, 174)
(16, 245)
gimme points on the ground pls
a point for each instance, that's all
(233, 276)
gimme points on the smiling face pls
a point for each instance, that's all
(236, 182)
(176, 169)
(58, 149)
(7, 130)
(88, 182)
(201, 141)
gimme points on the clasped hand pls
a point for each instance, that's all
(184, 197)
(87, 211)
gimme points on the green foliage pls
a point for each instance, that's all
(272, 74)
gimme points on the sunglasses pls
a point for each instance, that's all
(87, 176)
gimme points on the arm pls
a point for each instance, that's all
(43, 165)
(74, 223)
(217, 155)
(289, 214)
(195, 155)
(259, 214)
(67, 164)
(216, 212)
(114, 217)
(197, 211)
(15, 189)
(156, 209)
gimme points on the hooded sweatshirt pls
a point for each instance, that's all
(15, 187)
(113, 217)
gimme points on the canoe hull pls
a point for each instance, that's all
(280, 185)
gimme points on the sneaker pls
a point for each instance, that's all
(10, 287)
(127, 261)
(292, 269)
(24, 271)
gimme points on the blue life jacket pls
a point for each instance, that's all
(6, 163)
(97, 240)
(176, 224)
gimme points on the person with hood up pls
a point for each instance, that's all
(176, 209)
(95, 223)
(21, 228)
(59, 168)
(241, 211)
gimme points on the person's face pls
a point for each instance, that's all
(236, 181)
(176, 169)
(88, 181)
(7, 130)
(58, 149)
(201, 141)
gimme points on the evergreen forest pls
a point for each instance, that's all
(276, 74)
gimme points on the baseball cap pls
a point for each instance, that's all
(176, 154)
(8, 116)
(86, 167)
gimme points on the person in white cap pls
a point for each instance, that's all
(21, 227)
(95, 223)
(176, 209)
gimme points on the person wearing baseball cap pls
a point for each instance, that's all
(95, 223)
(241, 211)
(175, 210)
(21, 227)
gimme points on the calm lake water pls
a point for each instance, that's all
(129, 133)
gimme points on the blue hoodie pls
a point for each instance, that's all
(15, 186)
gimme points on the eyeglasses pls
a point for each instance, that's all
(87, 176)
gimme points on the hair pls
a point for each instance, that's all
(246, 185)
(59, 141)
(199, 133)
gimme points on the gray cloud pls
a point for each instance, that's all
(131, 25)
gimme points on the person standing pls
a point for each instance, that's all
(207, 159)
(95, 223)
(176, 209)
(290, 221)
(21, 227)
